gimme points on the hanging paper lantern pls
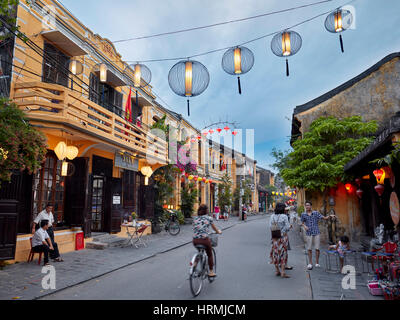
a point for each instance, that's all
(141, 76)
(379, 189)
(204, 179)
(196, 178)
(75, 67)
(358, 181)
(190, 177)
(235, 133)
(186, 174)
(198, 137)
(207, 181)
(339, 21)
(237, 61)
(359, 193)
(211, 131)
(210, 181)
(285, 44)
(188, 79)
(219, 130)
(61, 150)
(348, 187)
(102, 70)
(72, 152)
(205, 133)
(227, 128)
(380, 176)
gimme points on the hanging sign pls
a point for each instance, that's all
(394, 208)
(116, 199)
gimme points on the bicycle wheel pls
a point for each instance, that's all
(174, 228)
(196, 276)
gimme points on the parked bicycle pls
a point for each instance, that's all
(199, 268)
(172, 225)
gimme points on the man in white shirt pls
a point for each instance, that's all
(41, 242)
(46, 214)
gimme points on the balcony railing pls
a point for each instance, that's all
(51, 102)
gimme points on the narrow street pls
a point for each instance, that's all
(242, 267)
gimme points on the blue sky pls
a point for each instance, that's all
(268, 96)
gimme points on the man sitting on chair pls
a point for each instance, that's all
(41, 242)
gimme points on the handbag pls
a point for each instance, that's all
(275, 230)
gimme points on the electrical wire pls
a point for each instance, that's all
(241, 44)
(223, 23)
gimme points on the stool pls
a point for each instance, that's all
(32, 254)
(369, 258)
(328, 265)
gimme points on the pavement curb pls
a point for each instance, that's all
(140, 260)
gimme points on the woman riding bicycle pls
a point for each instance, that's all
(201, 228)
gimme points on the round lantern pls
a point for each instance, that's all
(219, 130)
(102, 70)
(235, 133)
(338, 21)
(141, 76)
(76, 68)
(380, 176)
(196, 178)
(204, 179)
(188, 79)
(190, 177)
(285, 44)
(237, 61)
(211, 131)
(348, 187)
(72, 152)
(227, 128)
(61, 150)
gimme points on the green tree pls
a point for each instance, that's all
(8, 20)
(22, 146)
(281, 159)
(317, 161)
(225, 192)
(188, 199)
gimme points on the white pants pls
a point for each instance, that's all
(312, 242)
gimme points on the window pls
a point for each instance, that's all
(129, 188)
(105, 95)
(55, 66)
(48, 186)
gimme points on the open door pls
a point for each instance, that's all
(8, 228)
(87, 223)
(75, 194)
(113, 205)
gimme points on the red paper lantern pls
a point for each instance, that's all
(183, 179)
(205, 134)
(235, 133)
(210, 181)
(219, 130)
(379, 189)
(359, 193)
(358, 181)
(195, 178)
(378, 174)
(204, 179)
(186, 174)
(211, 131)
(227, 128)
(348, 187)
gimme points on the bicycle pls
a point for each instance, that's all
(172, 225)
(199, 268)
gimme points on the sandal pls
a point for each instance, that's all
(285, 276)
(278, 274)
(289, 268)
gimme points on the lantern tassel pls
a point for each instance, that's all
(188, 105)
(341, 43)
(239, 86)
(287, 67)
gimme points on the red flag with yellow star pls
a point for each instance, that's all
(128, 107)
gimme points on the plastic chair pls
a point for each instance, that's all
(32, 254)
(328, 265)
(386, 253)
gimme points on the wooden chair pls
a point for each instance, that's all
(32, 254)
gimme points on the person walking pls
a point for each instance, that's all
(310, 221)
(279, 226)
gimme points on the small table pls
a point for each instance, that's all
(131, 235)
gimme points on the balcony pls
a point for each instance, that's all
(45, 102)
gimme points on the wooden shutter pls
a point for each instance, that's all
(129, 187)
(149, 213)
(87, 227)
(55, 66)
(8, 228)
(94, 87)
(75, 194)
(113, 212)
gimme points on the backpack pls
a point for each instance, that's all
(275, 230)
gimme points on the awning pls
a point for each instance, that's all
(112, 79)
(64, 43)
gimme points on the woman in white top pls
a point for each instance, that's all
(279, 248)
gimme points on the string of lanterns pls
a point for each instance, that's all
(190, 78)
(196, 178)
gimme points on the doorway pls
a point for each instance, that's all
(98, 204)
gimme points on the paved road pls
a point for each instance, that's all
(243, 273)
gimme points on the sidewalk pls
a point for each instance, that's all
(23, 280)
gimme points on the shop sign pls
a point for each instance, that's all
(126, 162)
(117, 199)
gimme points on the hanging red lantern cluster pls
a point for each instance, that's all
(380, 175)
